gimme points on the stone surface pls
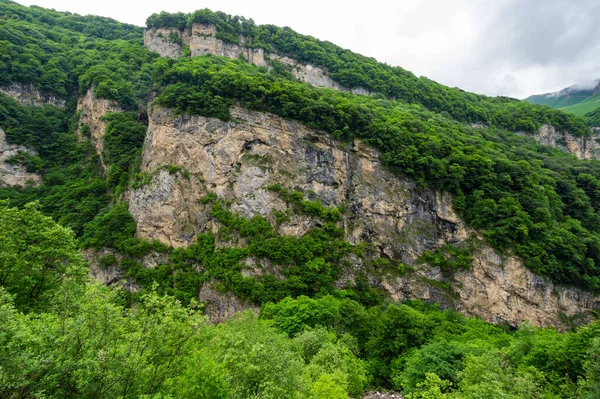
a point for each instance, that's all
(201, 39)
(91, 110)
(158, 40)
(28, 95)
(581, 147)
(113, 275)
(219, 306)
(237, 160)
(14, 175)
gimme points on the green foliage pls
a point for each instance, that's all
(252, 360)
(92, 347)
(306, 207)
(441, 358)
(32, 163)
(296, 315)
(593, 117)
(49, 49)
(432, 388)
(309, 263)
(167, 20)
(82, 342)
(123, 139)
(449, 258)
(112, 228)
(36, 256)
(591, 384)
(40, 128)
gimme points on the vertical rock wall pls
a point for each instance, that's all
(239, 160)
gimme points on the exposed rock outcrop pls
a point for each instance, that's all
(91, 110)
(581, 147)
(104, 266)
(164, 41)
(219, 306)
(11, 174)
(201, 39)
(238, 160)
(28, 95)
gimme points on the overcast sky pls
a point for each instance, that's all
(500, 47)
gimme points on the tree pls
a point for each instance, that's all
(36, 256)
(243, 358)
(92, 347)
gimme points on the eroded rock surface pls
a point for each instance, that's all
(581, 147)
(14, 175)
(28, 95)
(91, 111)
(238, 160)
(219, 306)
(201, 39)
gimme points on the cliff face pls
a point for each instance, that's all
(238, 160)
(91, 111)
(28, 95)
(581, 147)
(201, 39)
(14, 175)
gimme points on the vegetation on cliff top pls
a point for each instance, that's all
(353, 70)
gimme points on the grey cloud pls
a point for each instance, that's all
(542, 32)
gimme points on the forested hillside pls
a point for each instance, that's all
(62, 335)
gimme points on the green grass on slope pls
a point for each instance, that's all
(559, 101)
(584, 107)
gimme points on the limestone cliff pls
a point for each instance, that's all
(91, 111)
(28, 95)
(11, 174)
(201, 39)
(400, 221)
(581, 147)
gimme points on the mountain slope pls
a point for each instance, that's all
(254, 168)
(578, 100)
(520, 201)
(583, 108)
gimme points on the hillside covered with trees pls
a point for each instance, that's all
(62, 335)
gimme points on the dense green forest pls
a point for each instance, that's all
(63, 336)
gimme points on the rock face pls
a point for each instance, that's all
(581, 147)
(219, 307)
(109, 273)
(201, 39)
(91, 110)
(28, 95)
(238, 160)
(14, 175)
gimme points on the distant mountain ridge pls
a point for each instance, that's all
(577, 99)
